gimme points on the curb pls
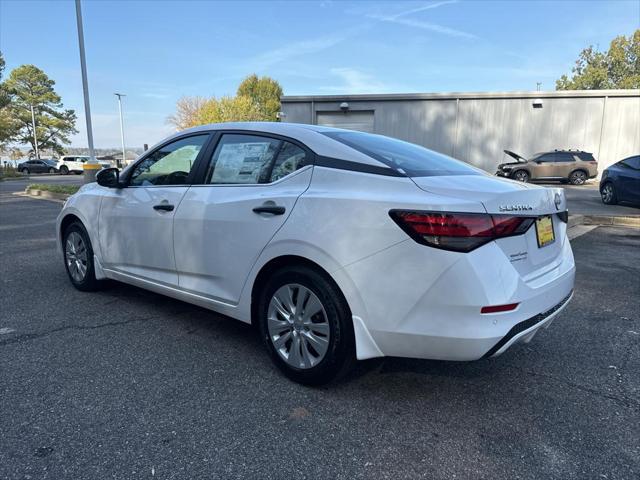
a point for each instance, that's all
(602, 220)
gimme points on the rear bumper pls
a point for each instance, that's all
(526, 330)
(424, 303)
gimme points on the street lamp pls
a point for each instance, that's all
(92, 166)
(120, 95)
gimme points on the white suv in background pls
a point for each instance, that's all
(73, 164)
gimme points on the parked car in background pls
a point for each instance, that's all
(621, 182)
(336, 244)
(38, 166)
(74, 164)
(572, 166)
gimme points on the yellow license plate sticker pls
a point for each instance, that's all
(544, 231)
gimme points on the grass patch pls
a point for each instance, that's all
(9, 172)
(68, 189)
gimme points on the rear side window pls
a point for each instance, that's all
(252, 159)
(290, 158)
(414, 160)
(585, 156)
(564, 157)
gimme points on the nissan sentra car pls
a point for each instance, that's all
(337, 245)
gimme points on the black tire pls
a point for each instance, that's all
(578, 177)
(89, 282)
(340, 355)
(52, 170)
(608, 194)
(521, 176)
(25, 171)
(64, 170)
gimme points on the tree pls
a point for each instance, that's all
(8, 126)
(265, 93)
(28, 87)
(229, 109)
(619, 67)
(257, 99)
(187, 111)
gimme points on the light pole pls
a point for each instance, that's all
(120, 95)
(92, 166)
(35, 136)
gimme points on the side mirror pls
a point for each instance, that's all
(109, 177)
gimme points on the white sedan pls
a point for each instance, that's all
(338, 245)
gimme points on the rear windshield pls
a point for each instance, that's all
(585, 156)
(414, 160)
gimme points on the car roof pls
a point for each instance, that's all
(310, 135)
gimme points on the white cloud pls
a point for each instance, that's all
(429, 6)
(297, 49)
(433, 27)
(398, 19)
(355, 81)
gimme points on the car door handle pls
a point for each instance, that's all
(272, 209)
(165, 207)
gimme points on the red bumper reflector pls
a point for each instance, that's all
(499, 308)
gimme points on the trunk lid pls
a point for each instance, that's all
(498, 195)
(508, 197)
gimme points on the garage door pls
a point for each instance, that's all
(362, 121)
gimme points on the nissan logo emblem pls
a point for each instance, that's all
(557, 200)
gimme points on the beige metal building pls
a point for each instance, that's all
(477, 127)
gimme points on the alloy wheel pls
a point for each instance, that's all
(578, 178)
(521, 176)
(76, 256)
(607, 193)
(298, 326)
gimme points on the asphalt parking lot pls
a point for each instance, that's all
(124, 383)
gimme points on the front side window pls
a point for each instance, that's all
(546, 158)
(170, 164)
(412, 159)
(632, 162)
(253, 159)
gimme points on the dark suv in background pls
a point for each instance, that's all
(621, 182)
(572, 166)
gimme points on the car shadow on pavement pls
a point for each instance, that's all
(385, 373)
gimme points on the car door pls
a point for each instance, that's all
(36, 166)
(249, 188)
(136, 222)
(629, 179)
(544, 166)
(565, 163)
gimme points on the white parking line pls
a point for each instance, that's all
(6, 330)
(578, 230)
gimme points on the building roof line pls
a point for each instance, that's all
(460, 95)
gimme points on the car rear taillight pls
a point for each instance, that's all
(459, 232)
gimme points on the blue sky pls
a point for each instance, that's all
(156, 52)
